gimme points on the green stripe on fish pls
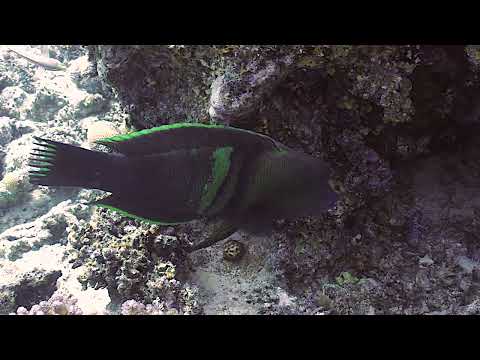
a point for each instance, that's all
(136, 134)
(132, 216)
(167, 138)
(163, 128)
(221, 165)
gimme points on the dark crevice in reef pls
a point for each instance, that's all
(447, 110)
(36, 287)
(438, 94)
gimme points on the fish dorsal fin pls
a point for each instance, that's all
(184, 136)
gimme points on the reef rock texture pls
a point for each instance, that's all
(397, 124)
(60, 105)
(25, 288)
(57, 304)
(133, 261)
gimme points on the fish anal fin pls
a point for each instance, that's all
(114, 203)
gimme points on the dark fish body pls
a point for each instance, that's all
(181, 172)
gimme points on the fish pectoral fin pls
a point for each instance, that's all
(220, 231)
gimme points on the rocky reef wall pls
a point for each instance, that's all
(396, 123)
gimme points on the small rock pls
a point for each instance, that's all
(466, 264)
(233, 250)
(426, 261)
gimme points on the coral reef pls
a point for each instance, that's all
(46, 104)
(132, 260)
(34, 219)
(62, 303)
(391, 121)
(11, 101)
(12, 186)
(26, 288)
(90, 105)
(132, 307)
(47, 229)
(397, 125)
(7, 130)
(57, 304)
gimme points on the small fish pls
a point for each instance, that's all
(178, 173)
(42, 60)
(45, 50)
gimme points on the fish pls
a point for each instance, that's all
(45, 50)
(42, 60)
(182, 172)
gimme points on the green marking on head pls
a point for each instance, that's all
(136, 217)
(221, 166)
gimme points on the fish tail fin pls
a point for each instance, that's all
(58, 164)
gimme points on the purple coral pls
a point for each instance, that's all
(58, 304)
(133, 307)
